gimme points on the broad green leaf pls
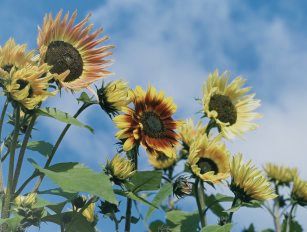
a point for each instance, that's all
(145, 181)
(42, 147)
(232, 209)
(86, 99)
(57, 208)
(294, 226)
(60, 192)
(62, 117)
(135, 197)
(180, 221)
(212, 202)
(12, 223)
(163, 193)
(157, 226)
(75, 177)
(217, 228)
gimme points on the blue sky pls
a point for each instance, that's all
(174, 45)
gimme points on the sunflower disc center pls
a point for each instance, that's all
(7, 67)
(224, 107)
(207, 165)
(152, 124)
(63, 56)
(22, 84)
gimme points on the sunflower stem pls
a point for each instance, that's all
(210, 126)
(8, 194)
(200, 200)
(290, 218)
(234, 204)
(276, 213)
(23, 150)
(134, 158)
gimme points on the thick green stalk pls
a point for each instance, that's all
(8, 194)
(129, 200)
(200, 200)
(276, 213)
(290, 218)
(234, 203)
(23, 150)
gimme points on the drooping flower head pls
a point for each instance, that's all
(14, 55)
(149, 122)
(114, 96)
(120, 168)
(28, 85)
(248, 183)
(209, 159)
(161, 161)
(229, 105)
(188, 132)
(71, 49)
(280, 174)
(299, 191)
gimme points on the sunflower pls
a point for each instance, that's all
(280, 174)
(14, 55)
(209, 159)
(89, 212)
(299, 191)
(149, 123)
(120, 168)
(188, 132)
(72, 50)
(114, 96)
(161, 161)
(248, 183)
(26, 201)
(28, 85)
(229, 105)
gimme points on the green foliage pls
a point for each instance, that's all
(60, 192)
(163, 193)
(44, 148)
(86, 99)
(251, 228)
(62, 117)
(217, 228)
(145, 181)
(180, 221)
(135, 197)
(12, 223)
(75, 177)
(294, 226)
(213, 204)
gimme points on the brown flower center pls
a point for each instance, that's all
(63, 56)
(7, 67)
(224, 107)
(152, 124)
(207, 165)
(22, 84)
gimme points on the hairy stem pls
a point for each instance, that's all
(200, 200)
(8, 194)
(134, 157)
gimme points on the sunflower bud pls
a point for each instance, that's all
(79, 202)
(113, 96)
(182, 187)
(299, 191)
(161, 161)
(26, 201)
(120, 168)
(89, 213)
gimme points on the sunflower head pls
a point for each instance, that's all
(182, 187)
(209, 159)
(79, 202)
(73, 50)
(248, 183)
(229, 105)
(279, 174)
(15, 56)
(26, 201)
(299, 191)
(114, 96)
(161, 161)
(120, 168)
(149, 123)
(28, 85)
(188, 132)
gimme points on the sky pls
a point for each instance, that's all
(173, 45)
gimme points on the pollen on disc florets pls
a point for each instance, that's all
(152, 124)
(225, 109)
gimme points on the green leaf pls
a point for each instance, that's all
(12, 223)
(268, 230)
(217, 228)
(251, 228)
(60, 192)
(163, 193)
(157, 226)
(233, 209)
(212, 202)
(86, 99)
(75, 177)
(62, 117)
(135, 197)
(145, 181)
(294, 226)
(42, 147)
(180, 221)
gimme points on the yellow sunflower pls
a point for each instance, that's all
(209, 159)
(28, 85)
(280, 174)
(89, 212)
(161, 161)
(72, 50)
(248, 183)
(149, 122)
(229, 105)
(120, 168)
(299, 191)
(188, 132)
(14, 55)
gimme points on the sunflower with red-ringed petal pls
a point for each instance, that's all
(73, 50)
(149, 123)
